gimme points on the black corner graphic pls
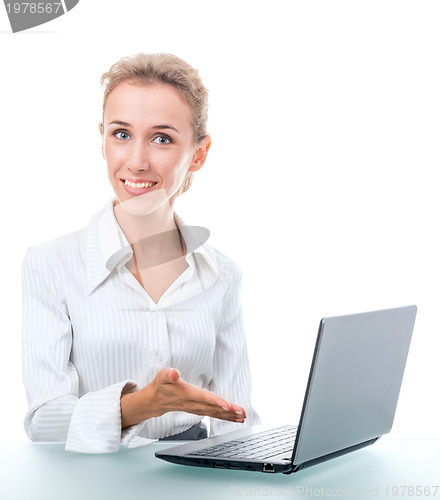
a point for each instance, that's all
(70, 4)
(25, 15)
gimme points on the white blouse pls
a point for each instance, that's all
(91, 333)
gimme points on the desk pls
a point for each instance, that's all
(31, 471)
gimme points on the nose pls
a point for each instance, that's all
(139, 158)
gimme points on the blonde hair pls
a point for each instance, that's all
(168, 69)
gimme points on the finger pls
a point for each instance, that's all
(216, 401)
(204, 396)
(215, 406)
(215, 412)
(174, 375)
(168, 375)
(238, 409)
(203, 402)
(230, 416)
(199, 401)
(234, 413)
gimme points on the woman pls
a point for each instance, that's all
(109, 309)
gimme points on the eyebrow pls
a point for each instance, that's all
(117, 122)
(156, 127)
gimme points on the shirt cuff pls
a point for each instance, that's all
(95, 426)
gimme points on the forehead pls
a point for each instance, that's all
(148, 104)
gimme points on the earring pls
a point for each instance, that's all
(187, 183)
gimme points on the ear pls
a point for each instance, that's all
(101, 131)
(200, 154)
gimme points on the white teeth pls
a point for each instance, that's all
(139, 184)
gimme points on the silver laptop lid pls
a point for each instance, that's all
(354, 382)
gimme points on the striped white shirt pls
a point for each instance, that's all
(92, 333)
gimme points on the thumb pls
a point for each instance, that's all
(169, 375)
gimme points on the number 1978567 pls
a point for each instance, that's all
(33, 7)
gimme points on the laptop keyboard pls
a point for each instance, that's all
(259, 446)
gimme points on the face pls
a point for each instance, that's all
(148, 144)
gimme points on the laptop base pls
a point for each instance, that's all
(263, 466)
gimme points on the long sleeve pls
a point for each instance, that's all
(91, 423)
(232, 377)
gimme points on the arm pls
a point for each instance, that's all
(89, 424)
(232, 377)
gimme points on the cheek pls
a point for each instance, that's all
(112, 157)
(171, 164)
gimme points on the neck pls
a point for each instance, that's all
(150, 234)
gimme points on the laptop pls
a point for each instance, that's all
(350, 400)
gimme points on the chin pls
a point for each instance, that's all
(144, 204)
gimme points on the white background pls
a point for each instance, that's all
(321, 181)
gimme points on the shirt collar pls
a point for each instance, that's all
(195, 238)
(107, 246)
(109, 249)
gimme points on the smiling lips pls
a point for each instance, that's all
(137, 187)
(139, 184)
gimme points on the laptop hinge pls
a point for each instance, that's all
(336, 454)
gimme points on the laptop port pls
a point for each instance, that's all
(219, 465)
(268, 468)
(233, 466)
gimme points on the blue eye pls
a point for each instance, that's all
(121, 134)
(162, 139)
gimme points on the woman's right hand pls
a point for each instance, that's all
(168, 392)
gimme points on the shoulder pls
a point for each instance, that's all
(227, 269)
(58, 251)
(68, 248)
